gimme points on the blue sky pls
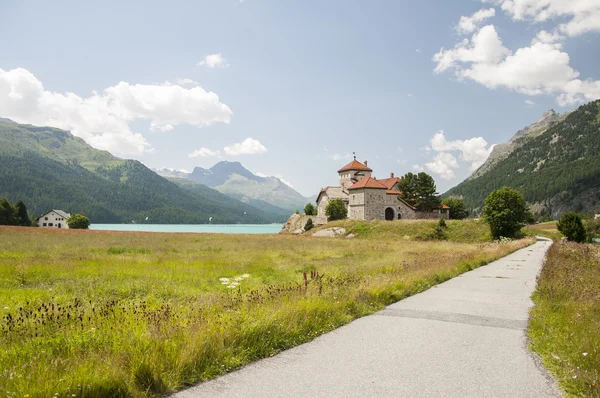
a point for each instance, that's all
(292, 88)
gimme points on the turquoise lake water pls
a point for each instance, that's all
(200, 228)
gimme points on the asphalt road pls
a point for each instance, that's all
(463, 338)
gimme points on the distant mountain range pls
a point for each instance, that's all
(49, 168)
(554, 162)
(232, 179)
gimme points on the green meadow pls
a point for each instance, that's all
(98, 314)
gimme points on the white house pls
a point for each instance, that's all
(54, 219)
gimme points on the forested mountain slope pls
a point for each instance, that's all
(557, 171)
(50, 168)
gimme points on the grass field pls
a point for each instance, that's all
(95, 313)
(564, 327)
(546, 229)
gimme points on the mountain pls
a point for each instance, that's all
(49, 168)
(555, 163)
(234, 180)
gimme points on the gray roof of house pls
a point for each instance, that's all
(59, 212)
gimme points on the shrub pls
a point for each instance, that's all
(505, 211)
(571, 226)
(592, 228)
(309, 225)
(78, 221)
(442, 223)
(336, 210)
(310, 209)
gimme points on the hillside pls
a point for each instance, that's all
(234, 180)
(50, 168)
(558, 170)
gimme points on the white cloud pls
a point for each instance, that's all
(529, 102)
(418, 50)
(470, 24)
(443, 164)
(186, 82)
(542, 68)
(203, 152)
(214, 61)
(418, 168)
(341, 156)
(249, 146)
(102, 119)
(474, 150)
(584, 14)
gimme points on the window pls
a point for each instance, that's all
(46, 218)
(45, 225)
(50, 224)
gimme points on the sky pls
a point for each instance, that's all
(293, 88)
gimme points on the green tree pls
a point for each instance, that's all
(419, 190)
(571, 226)
(592, 228)
(309, 225)
(457, 208)
(78, 221)
(505, 211)
(310, 209)
(336, 210)
(7, 212)
(22, 216)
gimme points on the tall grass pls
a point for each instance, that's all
(564, 327)
(95, 314)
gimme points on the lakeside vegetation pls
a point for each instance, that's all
(95, 313)
(565, 322)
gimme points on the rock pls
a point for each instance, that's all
(297, 232)
(296, 222)
(330, 232)
(350, 236)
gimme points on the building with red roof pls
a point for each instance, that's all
(368, 198)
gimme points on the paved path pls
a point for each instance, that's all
(463, 338)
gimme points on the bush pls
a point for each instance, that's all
(442, 223)
(336, 210)
(310, 210)
(505, 211)
(309, 225)
(571, 226)
(78, 221)
(592, 229)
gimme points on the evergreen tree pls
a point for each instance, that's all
(419, 190)
(7, 212)
(571, 226)
(22, 217)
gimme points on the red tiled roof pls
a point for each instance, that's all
(368, 182)
(393, 192)
(444, 206)
(354, 165)
(406, 203)
(389, 182)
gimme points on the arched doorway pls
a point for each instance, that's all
(389, 214)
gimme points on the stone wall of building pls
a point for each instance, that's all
(374, 204)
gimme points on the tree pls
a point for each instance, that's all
(336, 210)
(419, 190)
(571, 226)
(505, 211)
(7, 212)
(78, 221)
(310, 209)
(22, 216)
(592, 228)
(457, 208)
(309, 225)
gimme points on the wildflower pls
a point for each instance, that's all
(6, 308)
(584, 354)
(246, 276)
(224, 281)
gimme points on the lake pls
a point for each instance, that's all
(198, 228)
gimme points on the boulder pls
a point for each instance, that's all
(330, 232)
(350, 236)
